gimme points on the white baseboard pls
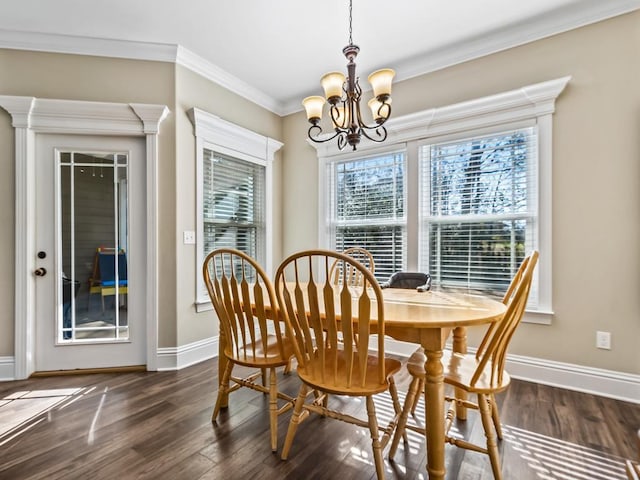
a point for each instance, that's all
(7, 368)
(176, 358)
(606, 383)
(597, 381)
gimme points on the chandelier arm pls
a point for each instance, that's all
(388, 110)
(361, 123)
(342, 140)
(363, 126)
(334, 113)
(380, 131)
(319, 131)
(358, 89)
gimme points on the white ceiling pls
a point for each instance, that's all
(278, 49)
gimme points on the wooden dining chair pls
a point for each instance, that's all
(352, 276)
(633, 468)
(482, 374)
(254, 339)
(332, 324)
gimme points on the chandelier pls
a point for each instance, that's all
(343, 95)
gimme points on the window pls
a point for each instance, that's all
(233, 205)
(234, 200)
(367, 209)
(478, 216)
(462, 192)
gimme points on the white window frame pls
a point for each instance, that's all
(226, 138)
(532, 104)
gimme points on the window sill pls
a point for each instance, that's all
(203, 306)
(540, 317)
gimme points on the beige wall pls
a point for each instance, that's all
(195, 91)
(596, 175)
(76, 77)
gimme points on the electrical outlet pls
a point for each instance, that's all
(603, 340)
(189, 237)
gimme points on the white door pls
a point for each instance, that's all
(90, 254)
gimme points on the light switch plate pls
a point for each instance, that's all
(603, 340)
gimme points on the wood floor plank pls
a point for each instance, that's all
(144, 425)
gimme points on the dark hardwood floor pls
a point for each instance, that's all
(157, 426)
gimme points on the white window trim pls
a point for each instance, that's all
(533, 102)
(214, 133)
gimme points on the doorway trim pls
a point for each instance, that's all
(31, 116)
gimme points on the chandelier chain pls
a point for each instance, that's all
(350, 22)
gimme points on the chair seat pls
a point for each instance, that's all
(257, 357)
(336, 380)
(458, 371)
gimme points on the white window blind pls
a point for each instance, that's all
(479, 214)
(367, 209)
(233, 205)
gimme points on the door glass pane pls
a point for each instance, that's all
(93, 289)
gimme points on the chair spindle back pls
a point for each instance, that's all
(331, 322)
(352, 276)
(235, 281)
(493, 348)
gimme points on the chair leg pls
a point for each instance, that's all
(375, 437)
(496, 416)
(295, 421)
(492, 446)
(288, 367)
(223, 389)
(397, 408)
(273, 409)
(417, 397)
(409, 400)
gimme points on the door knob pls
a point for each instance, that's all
(40, 272)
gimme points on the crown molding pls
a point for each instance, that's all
(208, 70)
(76, 45)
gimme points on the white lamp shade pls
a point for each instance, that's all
(313, 106)
(376, 111)
(380, 81)
(332, 83)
